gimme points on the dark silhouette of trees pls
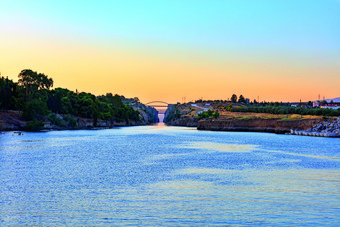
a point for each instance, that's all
(233, 98)
(32, 81)
(241, 99)
(32, 96)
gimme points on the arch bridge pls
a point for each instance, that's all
(157, 104)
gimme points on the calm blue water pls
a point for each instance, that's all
(168, 176)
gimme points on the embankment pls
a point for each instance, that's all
(12, 121)
(256, 125)
(184, 121)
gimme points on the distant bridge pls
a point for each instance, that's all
(162, 104)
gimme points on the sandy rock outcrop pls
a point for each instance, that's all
(256, 125)
(184, 121)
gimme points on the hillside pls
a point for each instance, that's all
(337, 100)
(226, 116)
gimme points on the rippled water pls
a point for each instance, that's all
(168, 176)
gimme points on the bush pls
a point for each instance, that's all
(216, 114)
(34, 126)
(283, 110)
(177, 115)
(71, 121)
(56, 120)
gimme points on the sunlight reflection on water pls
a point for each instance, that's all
(168, 176)
(220, 147)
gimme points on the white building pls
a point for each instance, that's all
(329, 106)
(316, 103)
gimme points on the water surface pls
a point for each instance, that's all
(168, 176)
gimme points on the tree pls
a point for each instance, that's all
(33, 81)
(276, 104)
(233, 98)
(136, 99)
(241, 99)
(36, 109)
(210, 113)
(310, 103)
(228, 108)
(216, 114)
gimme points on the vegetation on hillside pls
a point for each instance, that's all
(288, 110)
(32, 95)
(241, 108)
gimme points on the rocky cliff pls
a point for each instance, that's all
(256, 125)
(325, 129)
(184, 121)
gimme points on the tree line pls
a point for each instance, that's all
(33, 96)
(288, 110)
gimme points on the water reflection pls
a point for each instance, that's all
(210, 146)
(167, 176)
(204, 171)
(303, 155)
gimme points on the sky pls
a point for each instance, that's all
(165, 50)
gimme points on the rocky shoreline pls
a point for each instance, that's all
(184, 121)
(322, 129)
(256, 125)
(305, 127)
(11, 121)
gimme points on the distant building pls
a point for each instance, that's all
(247, 101)
(294, 105)
(316, 103)
(330, 106)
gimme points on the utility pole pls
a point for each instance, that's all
(300, 107)
(7, 95)
(287, 109)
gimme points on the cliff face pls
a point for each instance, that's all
(256, 125)
(175, 116)
(11, 121)
(184, 121)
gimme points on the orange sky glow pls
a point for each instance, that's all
(167, 70)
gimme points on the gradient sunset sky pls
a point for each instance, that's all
(165, 50)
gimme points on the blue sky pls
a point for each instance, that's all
(235, 24)
(295, 35)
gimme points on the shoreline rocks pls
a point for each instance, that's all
(257, 125)
(12, 121)
(184, 121)
(322, 129)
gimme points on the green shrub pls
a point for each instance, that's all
(34, 126)
(177, 115)
(216, 114)
(71, 121)
(35, 109)
(56, 120)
